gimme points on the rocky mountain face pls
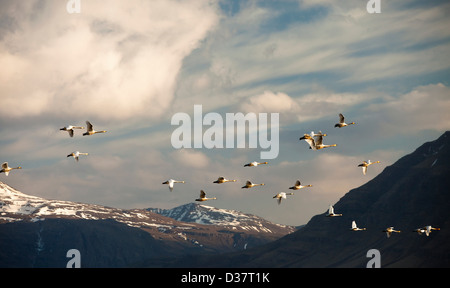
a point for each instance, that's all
(203, 214)
(412, 193)
(36, 232)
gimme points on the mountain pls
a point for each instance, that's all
(203, 214)
(411, 193)
(36, 232)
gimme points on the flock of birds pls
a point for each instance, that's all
(71, 130)
(389, 230)
(314, 140)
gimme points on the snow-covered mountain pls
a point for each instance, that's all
(17, 206)
(32, 229)
(203, 214)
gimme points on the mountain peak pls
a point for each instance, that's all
(208, 215)
(410, 194)
(31, 229)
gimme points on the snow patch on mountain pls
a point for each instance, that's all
(17, 206)
(207, 215)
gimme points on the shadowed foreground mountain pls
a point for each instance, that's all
(36, 232)
(410, 194)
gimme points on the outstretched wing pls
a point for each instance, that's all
(89, 126)
(319, 140)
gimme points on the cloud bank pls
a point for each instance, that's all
(115, 60)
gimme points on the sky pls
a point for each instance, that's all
(130, 66)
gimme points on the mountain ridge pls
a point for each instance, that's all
(411, 193)
(208, 215)
(23, 244)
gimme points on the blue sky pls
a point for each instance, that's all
(129, 66)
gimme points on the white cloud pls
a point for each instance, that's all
(270, 102)
(115, 60)
(312, 106)
(190, 158)
(425, 107)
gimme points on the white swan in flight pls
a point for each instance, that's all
(390, 230)
(70, 129)
(281, 195)
(76, 155)
(299, 186)
(221, 180)
(331, 212)
(427, 230)
(319, 143)
(310, 140)
(316, 142)
(249, 184)
(91, 131)
(254, 164)
(355, 227)
(203, 197)
(171, 182)
(342, 122)
(366, 164)
(6, 169)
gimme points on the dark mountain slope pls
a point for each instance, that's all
(102, 243)
(36, 232)
(412, 193)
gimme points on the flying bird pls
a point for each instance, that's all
(390, 230)
(427, 230)
(319, 143)
(203, 197)
(310, 140)
(299, 186)
(331, 212)
(6, 169)
(366, 164)
(355, 227)
(254, 164)
(281, 195)
(76, 155)
(249, 184)
(316, 141)
(91, 131)
(221, 180)
(342, 122)
(171, 182)
(70, 129)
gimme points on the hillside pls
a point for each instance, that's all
(36, 232)
(203, 214)
(411, 193)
